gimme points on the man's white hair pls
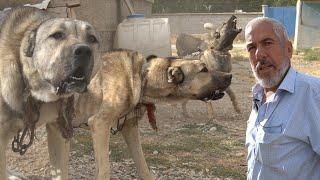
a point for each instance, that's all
(277, 26)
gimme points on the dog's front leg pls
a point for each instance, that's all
(210, 110)
(130, 133)
(100, 129)
(233, 99)
(184, 110)
(59, 148)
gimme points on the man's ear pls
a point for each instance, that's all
(289, 49)
(175, 75)
(28, 51)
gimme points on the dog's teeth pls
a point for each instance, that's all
(77, 78)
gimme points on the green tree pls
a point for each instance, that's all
(211, 6)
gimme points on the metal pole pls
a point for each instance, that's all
(129, 6)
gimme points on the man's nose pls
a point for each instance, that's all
(260, 53)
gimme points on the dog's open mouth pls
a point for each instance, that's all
(76, 82)
(215, 95)
(234, 25)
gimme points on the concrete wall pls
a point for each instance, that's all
(139, 6)
(307, 32)
(192, 23)
(104, 15)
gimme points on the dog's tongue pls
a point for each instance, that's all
(152, 118)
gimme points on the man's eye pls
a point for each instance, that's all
(250, 48)
(267, 43)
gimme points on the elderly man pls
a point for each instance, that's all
(283, 131)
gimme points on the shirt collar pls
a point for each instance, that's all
(257, 91)
(287, 84)
(289, 81)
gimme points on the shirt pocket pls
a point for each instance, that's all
(269, 143)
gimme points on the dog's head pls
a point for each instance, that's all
(179, 79)
(64, 55)
(225, 35)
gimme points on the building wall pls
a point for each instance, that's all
(192, 23)
(139, 6)
(104, 15)
(14, 3)
(307, 32)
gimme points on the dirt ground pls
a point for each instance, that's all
(183, 148)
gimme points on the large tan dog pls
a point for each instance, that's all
(43, 62)
(127, 85)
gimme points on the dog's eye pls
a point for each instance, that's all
(92, 39)
(204, 69)
(57, 35)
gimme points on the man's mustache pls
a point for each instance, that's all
(261, 63)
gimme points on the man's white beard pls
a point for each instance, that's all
(275, 79)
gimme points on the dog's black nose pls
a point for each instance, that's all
(82, 55)
(82, 50)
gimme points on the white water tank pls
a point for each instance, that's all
(150, 36)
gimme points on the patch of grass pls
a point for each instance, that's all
(196, 148)
(150, 148)
(189, 144)
(192, 129)
(158, 161)
(212, 124)
(225, 172)
(119, 154)
(211, 168)
(118, 148)
(84, 145)
(310, 54)
(232, 143)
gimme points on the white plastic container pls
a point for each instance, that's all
(150, 36)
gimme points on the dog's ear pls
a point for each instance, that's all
(150, 57)
(28, 51)
(175, 75)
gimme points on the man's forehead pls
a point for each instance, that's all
(259, 31)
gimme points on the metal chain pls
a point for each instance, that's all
(31, 117)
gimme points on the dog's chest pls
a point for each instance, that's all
(48, 113)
